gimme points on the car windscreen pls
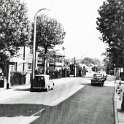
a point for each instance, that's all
(97, 75)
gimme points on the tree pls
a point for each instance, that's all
(110, 23)
(87, 61)
(13, 25)
(13, 28)
(49, 34)
(90, 61)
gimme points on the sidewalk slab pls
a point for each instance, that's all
(121, 116)
(12, 92)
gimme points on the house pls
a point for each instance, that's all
(53, 63)
(22, 63)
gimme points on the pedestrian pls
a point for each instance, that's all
(119, 90)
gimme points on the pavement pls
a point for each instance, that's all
(12, 93)
(6, 94)
(118, 98)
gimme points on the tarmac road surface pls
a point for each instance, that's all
(86, 105)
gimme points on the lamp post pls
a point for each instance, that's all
(34, 44)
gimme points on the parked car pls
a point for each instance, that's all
(42, 83)
(98, 79)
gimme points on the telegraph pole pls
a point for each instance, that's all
(75, 67)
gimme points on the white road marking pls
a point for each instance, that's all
(38, 112)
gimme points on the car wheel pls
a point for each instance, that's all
(31, 90)
(45, 90)
(48, 88)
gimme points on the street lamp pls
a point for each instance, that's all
(34, 44)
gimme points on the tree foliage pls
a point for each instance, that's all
(90, 61)
(13, 25)
(110, 23)
(49, 32)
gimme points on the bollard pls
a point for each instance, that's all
(122, 104)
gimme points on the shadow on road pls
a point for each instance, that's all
(13, 110)
(27, 89)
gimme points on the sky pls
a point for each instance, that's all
(79, 20)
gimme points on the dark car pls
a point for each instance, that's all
(98, 79)
(1, 80)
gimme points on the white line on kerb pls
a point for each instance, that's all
(38, 112)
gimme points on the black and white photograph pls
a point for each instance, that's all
(61, 62)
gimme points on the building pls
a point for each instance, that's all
(22, 63)
(55, 62)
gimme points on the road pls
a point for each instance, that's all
(73, 101)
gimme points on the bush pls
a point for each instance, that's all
(17, 78)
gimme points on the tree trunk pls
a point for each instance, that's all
(45, 66)
(45, 62)
(6, 70)
(24, 59)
